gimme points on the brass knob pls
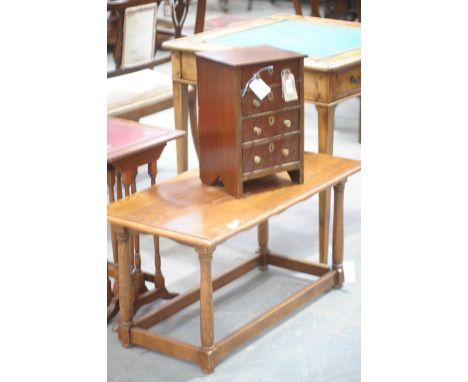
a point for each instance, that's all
(287, 123)
(271, 147)
(256, 103)
(270, 96)
(257, 130)
(285, 152)
(257, 159)
(271, 120)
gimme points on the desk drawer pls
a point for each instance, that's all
(269, 154)
(269, 125)
(273, 101)
(270, 77)
(347, 82)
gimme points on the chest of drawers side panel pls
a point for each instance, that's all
(219, 125)
(300, 174)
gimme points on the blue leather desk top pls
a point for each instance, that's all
(316, 40)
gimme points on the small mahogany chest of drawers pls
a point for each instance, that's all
(240, 136)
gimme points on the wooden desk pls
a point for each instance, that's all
(332, 73)
(129, 145)
(185, 210)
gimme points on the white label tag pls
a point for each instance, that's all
(349, 272)
(260, 88)
(288, 86)
(234, 224)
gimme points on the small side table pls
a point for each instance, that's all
(129, 145)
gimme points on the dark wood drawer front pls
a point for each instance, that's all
(273, 101)
(273, 77)
(347, 82)
(270, 154)
(270, 125)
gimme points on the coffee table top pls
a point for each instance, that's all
(185, 210)
(126, 138)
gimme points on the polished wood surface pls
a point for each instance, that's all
(327, 81)
(186, 210)
(225, 154)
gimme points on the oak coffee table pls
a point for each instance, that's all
(203, 217)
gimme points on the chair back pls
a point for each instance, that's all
(135, 23)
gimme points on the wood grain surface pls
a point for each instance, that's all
(184, 209)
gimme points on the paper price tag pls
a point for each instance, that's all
(234, 224)
(260, 88)
(288, 86)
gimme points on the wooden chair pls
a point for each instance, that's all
(135, 88)
(314, 7)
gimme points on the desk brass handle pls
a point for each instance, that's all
(256, 103)
(355, 80)
(257, 159)
(271, 120)
(285, 152)
(287, 123)
(271, 147)
(257, 130)
(270, 96)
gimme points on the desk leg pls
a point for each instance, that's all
(180, 93)
(126, 292)
(338, 238)
(206, 310)
(326, 128)
(263, 243)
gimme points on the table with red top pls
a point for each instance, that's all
(130, 145)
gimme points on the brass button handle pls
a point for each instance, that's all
(270, 96)
(355, 80)
(257, 130)
(287, 123)
(271, 120)
(285, 152)
(256, 103)
(257, 159)
(271, 147)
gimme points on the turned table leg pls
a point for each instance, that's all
(206, 310)
(338, 237)
(263, 243)
(126, 292)
(326, 128)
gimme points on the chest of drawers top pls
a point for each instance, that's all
(243, 137)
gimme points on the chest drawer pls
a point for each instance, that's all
(269, 125)
(270, 76)
(273, 101)
(269, 154)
